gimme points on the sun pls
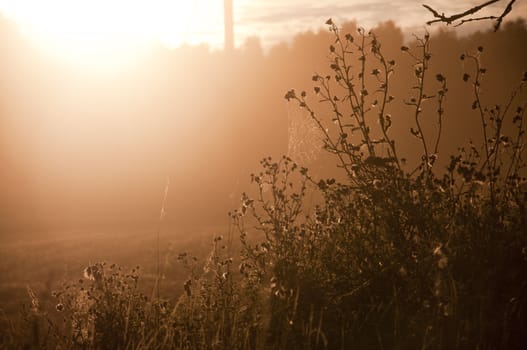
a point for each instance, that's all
(106, 30)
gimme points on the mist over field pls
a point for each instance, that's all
(192, 196)
(84, 148)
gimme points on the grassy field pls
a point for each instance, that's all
(44, 264)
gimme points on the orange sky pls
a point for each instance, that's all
(81, 26)
(90, 143)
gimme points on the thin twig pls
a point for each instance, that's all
(462, 16)
(453, 18)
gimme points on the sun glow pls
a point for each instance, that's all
(106, 30)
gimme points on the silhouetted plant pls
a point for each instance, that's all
(217, 310)
(388, 257)
(104, 310)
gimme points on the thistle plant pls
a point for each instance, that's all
(379, 260)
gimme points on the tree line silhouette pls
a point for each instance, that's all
(80, 149)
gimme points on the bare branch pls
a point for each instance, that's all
(453, 18)
(475, 19)
(507, 10)
(465, 16)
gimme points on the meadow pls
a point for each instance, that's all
(47, 263)
(400, 238)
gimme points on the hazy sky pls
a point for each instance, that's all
(273, 20)
(80, 22)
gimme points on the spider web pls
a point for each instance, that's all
(304, 138)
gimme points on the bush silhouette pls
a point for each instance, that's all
(393, 256)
